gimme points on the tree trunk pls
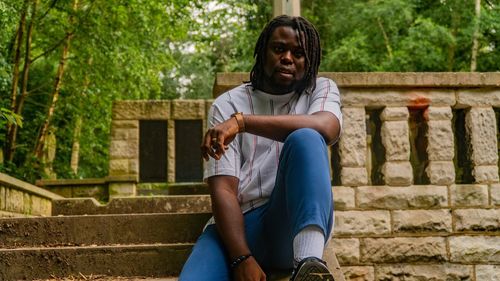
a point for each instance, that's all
(15, 74)
(475, 36)
(38, 152)
(12, 135)
(386, 38)
(75, 150)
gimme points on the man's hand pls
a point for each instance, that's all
(218, 138)
(249, 270)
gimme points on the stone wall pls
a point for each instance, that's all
(19, 199)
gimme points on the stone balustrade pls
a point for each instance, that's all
(21, 199)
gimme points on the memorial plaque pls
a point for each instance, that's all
(188, 162)
(153, 151)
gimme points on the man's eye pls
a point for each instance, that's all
(279, 49)
(298, 54)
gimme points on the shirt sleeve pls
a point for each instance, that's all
(229, 164)
(326, 97)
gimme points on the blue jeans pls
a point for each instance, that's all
(301, 197)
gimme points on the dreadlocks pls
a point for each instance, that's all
(308, 38)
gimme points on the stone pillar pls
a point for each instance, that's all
(481, 126)
(286, 7)
(395, 133)
(352, 147)
(440, 149)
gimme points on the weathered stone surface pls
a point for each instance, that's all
(347, 250)
(362, 223)
(469, 195)
(41, 206)
(441, 272)
(122, 189)
(343, 197)
(188, 109)
(475, 249)
(2, 198)
(486, 174)
(124, 149)
(480, 97)
(14, 200)
(395, 114)
(352, 144)
(438, 113)
(27, 204)
(477, 220)
(481, 124)
(440, 141)
(412, 197)
(422, 221)
(354, 176)
(171, 151)
(358, 273)
(395, 138)
(379, 98)
(487, 272)
(495, 194)
(133, 166)
(403, 249)
(125, 124)
(141, 110)
(118, 166)
(398, 173)
(441, 172)
(124, 134)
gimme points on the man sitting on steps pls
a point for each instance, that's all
(268, 169)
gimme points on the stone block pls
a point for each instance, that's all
(395, 114)
(122, 189)
(479, 97)
(397, 173)
(343, 197)
(434, 272)
(396, 140)
(486, 174)
(403, 250)
(352, 223)
(14, 200)
(441, 172)
(412, 197)
(487, 272)
(27, 204)
(475, 249)
(495, 194)
(41, 206)
(141, 110)
(120, 149)
(171, 151)
(358, 273)
(477, 220)
(188, 109)
(2, 198)
(125, 124)
(440, 141)
(124, 134)
(482, 127)
(438, 113)
(371, 97)
(469, 195)
(133, 166)
(352, 145)
(118, 167)
(347, 250)
(422, 221)
(354, 176)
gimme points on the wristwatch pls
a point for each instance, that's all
(239, 119)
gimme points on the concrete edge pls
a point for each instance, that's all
(27, 187)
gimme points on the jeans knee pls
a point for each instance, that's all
(305, 137)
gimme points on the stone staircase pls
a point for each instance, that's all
(130, 238)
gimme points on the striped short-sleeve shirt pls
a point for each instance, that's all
(254, 159)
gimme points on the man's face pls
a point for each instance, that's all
(284, 62)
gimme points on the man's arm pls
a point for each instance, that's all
(230, 225)
(275, 127)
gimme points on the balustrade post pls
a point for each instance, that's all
(352, 147)
(440, 149)
(395, 134)
(481, 126)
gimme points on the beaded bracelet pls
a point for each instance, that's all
(239, 260)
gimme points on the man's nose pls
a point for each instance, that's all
(286, 57)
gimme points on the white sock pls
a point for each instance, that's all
(309, 242)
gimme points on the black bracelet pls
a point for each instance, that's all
(239, 260)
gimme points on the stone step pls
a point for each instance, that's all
(188, 188)
(119, 262)
(133, 205)
(101, 229)
(149, 260)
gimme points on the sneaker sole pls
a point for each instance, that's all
(314, 272)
